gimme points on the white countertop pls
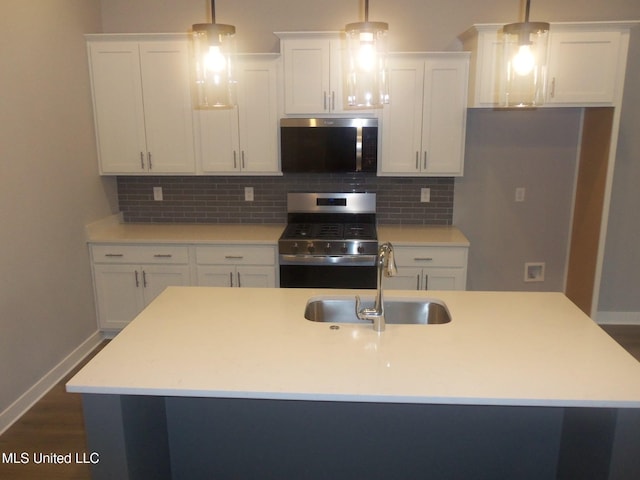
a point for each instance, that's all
(502, 348)
(112, 230)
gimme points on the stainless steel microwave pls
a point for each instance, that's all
(327, 145)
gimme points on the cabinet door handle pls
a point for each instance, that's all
(137, 282)
(426, 281)
(142, 160)
(114, 255)
(424, 164)
(418, 282)
(231, 279)
(144, 279)
(149, 160)
(422, 259)
(242, 159)
(163, 255)
(417, 160)
(333, 101)
(235, 159)
(233, 257)
(553, 87)
(239, 282)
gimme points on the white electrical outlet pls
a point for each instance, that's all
(520, 191)
(248, 194)
(534, 272)
(425, 195)
(157, 194)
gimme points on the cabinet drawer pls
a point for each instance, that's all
(431, 256)
(140, 254)
(236, 255)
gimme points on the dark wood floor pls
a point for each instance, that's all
(55, 425)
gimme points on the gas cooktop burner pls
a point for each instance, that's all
(329, 231)
(330, 224)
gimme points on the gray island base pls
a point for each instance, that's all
(234, 383)
(143, 437)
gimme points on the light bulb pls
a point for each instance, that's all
(214, 60)
(524, 61)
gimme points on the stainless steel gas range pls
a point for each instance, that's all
(330, 241)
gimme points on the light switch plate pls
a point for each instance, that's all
(248, 194)
(157, 194)
(425, 195)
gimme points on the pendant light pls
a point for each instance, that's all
(214, 51)
(367, 62)
(525, 55)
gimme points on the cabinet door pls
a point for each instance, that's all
(118, 294)
(407, 278)
(443, 279)
(263, 277)
(216, 275)
(155, 278)
(168, 106)
(258, 116)
(583, 67)
(218, 141)
(307, 73)
(444, 115)
(402, 118)
(118, 108)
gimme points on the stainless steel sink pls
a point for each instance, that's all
(416, 311)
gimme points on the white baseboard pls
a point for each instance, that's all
(18, 408)
(618, 318)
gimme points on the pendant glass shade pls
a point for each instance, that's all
(525, 56)
(367, 76)
(214, 52)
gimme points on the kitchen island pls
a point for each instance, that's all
(236, 383)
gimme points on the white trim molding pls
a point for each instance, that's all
(618, 318)
(18, 408)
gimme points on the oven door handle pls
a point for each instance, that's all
(360, 260)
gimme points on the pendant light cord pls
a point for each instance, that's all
(526, 11)
(213, 11)
(366, 10)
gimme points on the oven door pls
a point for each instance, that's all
(300, 271)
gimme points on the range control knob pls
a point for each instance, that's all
(311, 247)
(360, 248)
(327, 247)
(344, 248)
(295, 247)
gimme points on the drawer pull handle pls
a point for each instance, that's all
(423, 259)
(234, 257)
(137, 281)
(114, 255)
(163, 255)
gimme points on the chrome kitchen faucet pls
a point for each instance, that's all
(386, 265)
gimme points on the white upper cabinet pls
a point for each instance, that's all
(312, 72)
(142, 104)
(243, 140)
(586, 66)
(423, 127)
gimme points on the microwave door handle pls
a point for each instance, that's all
(359, 149)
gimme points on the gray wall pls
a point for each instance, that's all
(416, 25)
(532, 149)
(49, 187)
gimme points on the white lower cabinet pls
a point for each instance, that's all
(236, 266)
(429, 268)
(127, 278)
